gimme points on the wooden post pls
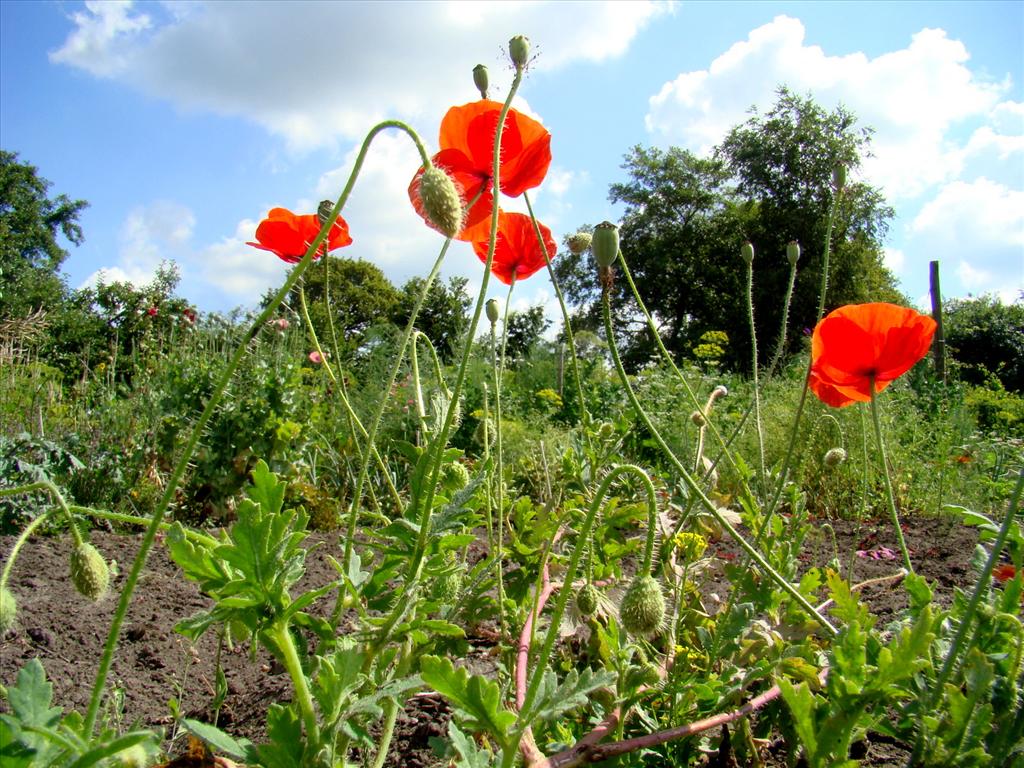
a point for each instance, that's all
(939, 342)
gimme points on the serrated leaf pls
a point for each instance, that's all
(470, 756)
(266, 490)
(242, 749)
(556, 699)
(31, 696)
(439, 627)
(477, 698)
(284, 745)
(801, 705)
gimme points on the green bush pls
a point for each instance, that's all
(986, 338)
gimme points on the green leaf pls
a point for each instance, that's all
(31, 696)
(284, 745)
(800, 701)
(266, 490)
(554, 699)
(469, 755)
(477, 698)
(241, 749)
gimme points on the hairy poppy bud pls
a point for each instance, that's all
(586, 599)
(8, 610)
(604, 243)
(834, 457)
(441, 201)
(579, 242)
(747, 253)
(492, 310)
(643, 606)
(89, 571)
(519, 50)
(480, 79)
(793, 252)
(698, 419)
(448, 586)
(454, 476)
(839, 176)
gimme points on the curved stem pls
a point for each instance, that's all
(45, 484)
(282, 638)
(499, 373)
(890, 497)
(754, 369)
(5, 575)
(695, 488)
(178, 472)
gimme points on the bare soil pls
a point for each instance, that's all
(154, 664)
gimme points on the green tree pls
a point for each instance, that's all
(443, 314)
(359, 296)
(686, 218)
(30, 251)
(986, 338)
(524, 331)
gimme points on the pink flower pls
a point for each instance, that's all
(188, 314)
(315, 357)
(151, 311)
(282, 323)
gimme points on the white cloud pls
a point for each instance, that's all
(979, 228)
(104, 38)
(912, 97)
(242, 272)
(316, 72)
(894, 259)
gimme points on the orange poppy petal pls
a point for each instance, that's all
(829, 394)
(517, 253)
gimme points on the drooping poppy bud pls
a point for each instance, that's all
(698, 419)
(323, 211)
(579, 242)
(492, 309)
(604, 243)
(643, 607)
(793, 252)
(833, 458)
(480, 79)
(519, 50)
(441, 201)
(89, 571)
(747, 253)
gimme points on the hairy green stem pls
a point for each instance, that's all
(695, 487)
(890, 497)
(18, 544)
(45, 484)
(282, 638)
(754, 372)
(498, 364)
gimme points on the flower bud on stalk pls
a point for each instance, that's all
(480, 79)
(793, 252)
(698, 419)
(8, 610)
(747, 253)
(839, 176)
(587, 599)
(89, 571)
(834, 457)
(492, 310)
(579, 242)
(441, 201)
(323, 211)
(643, 606)
(519, 50)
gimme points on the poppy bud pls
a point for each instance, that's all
(579, 242)
(834, 457)
(839, 176)
(89, 571)
(8, 610)
(493, 312)
(587, 599)
(747, 253)
(604, 243)
(480, 79)
(698, 419)
(643, 607)
(441, 201)
(720, 391)
(519, 50)
(793, 252)
(323, 211)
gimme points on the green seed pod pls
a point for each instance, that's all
(454, 476)
(839, 176)
(604, 244)
(579, 242)
(485, 432)
(587, 598)
(441, 201)
(8, 610)
(448, 586)
(89, 571)
(643, 607)
(793, 252)
(834, 457)
(747, 253)
(493, 310)
(519, 50)
(480, 79)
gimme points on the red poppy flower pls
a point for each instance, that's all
(289, 235)
(467, 154)
(152, 311)
(517, 254)
(1004, 573)
(860, 343)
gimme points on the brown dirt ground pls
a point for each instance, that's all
(154, 664)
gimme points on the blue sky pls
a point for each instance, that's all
(182, 123)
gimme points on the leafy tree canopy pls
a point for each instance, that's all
(443, 314)
(986, 337)
(524, 331)
(686, 218)
(30, 252)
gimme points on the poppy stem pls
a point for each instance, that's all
(890, 496)
(498, 364)
(695, 488)
(757, 390)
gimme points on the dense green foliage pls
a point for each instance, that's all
(986, 338)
